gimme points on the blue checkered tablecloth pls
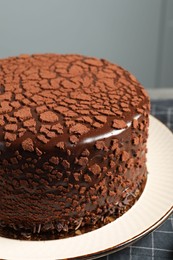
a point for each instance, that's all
(158, 245)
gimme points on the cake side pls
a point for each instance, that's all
(73, 134)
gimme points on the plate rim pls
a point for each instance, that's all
(128, 242)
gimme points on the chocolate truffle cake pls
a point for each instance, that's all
(73, 133)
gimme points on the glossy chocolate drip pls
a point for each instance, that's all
(73, 134)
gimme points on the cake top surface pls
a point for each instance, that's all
(50, 99)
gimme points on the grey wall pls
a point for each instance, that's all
(136, 34)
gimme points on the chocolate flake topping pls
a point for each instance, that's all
(79, 129)
(28, 145)
(23, 113)
(119, 124)
(49, 117)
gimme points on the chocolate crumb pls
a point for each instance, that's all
(87, 178)
(74, 139)
(95, 169)
(83, 161)
(125, 156)
(100, 145)
(60, 145)
(119, 124)
(49, 117)
(85, 152)
(135, 123)
(38, 151)
(23, 113)
(28, 145)
(11, 127)
(79, 129)
(102, 119)
(54, 160)
(10, 137)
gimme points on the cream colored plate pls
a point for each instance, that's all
(153, 207)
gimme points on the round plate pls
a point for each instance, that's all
(153, 207)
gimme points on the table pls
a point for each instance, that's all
(157, 245)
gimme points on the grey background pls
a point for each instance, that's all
(136, 34)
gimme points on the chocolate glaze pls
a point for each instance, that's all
(73, 133)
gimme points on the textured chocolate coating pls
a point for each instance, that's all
(73, 133)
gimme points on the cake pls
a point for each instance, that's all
(73, 135)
